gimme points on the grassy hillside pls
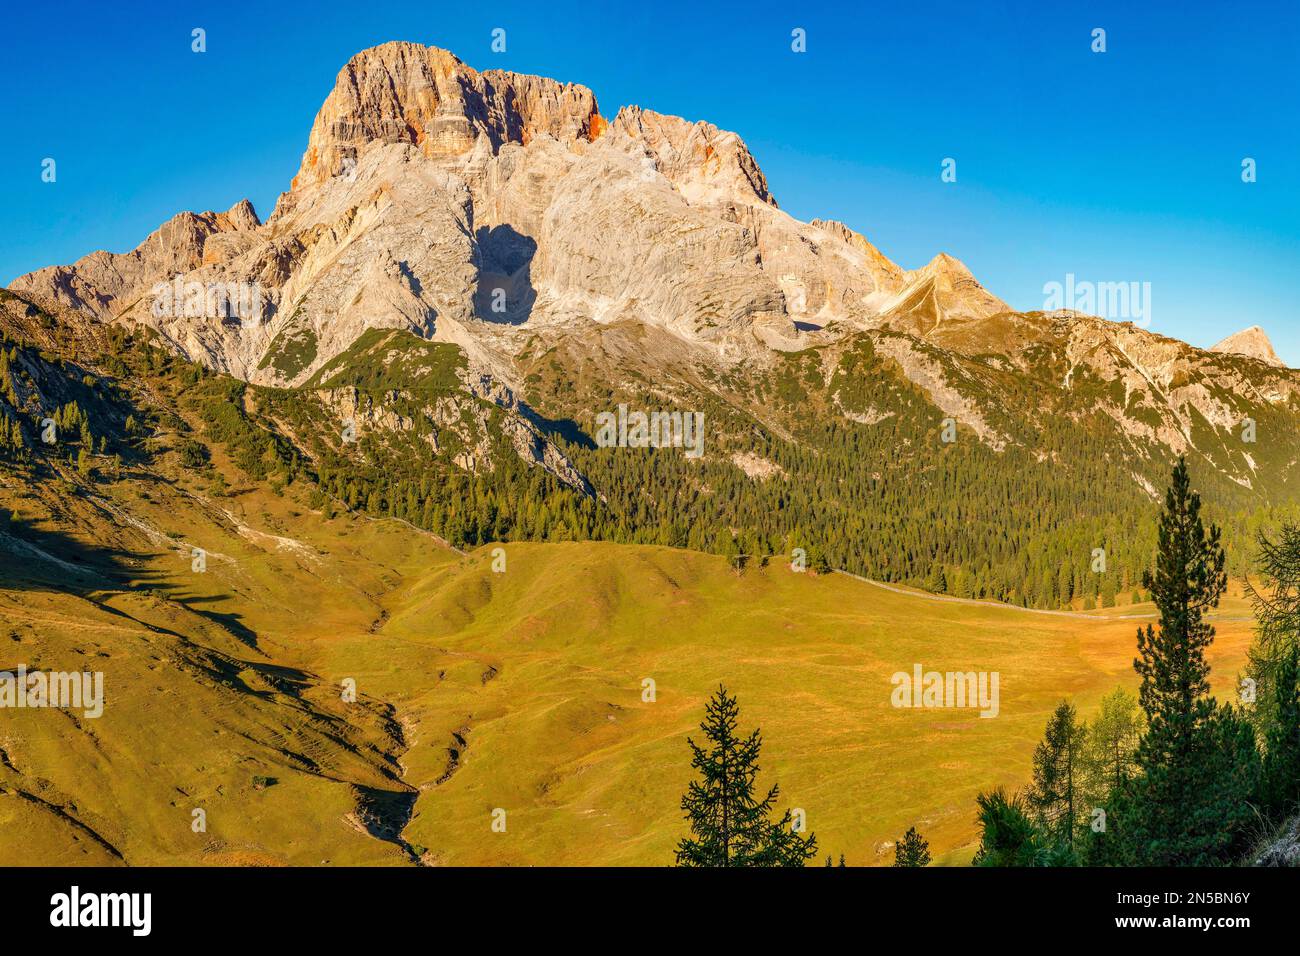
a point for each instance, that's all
(540, 674)
(519, 690)
(212, 699)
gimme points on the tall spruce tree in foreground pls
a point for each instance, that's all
(1198, 762)
(912, 850)
(730, 824)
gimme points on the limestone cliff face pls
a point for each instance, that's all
(704, 163)
(483, 208)
(407, 93)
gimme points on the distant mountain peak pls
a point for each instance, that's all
(944, 264)
(1252, 343)
(944, 287)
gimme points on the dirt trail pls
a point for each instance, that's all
(1083, 615)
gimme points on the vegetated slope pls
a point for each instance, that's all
(538, 708)
(213, 698)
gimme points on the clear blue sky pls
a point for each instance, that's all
(1122, 166)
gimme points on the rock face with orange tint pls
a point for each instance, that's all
(704, 163)
(487, 208)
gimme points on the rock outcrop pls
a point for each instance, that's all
(408, 93)
(102, 282)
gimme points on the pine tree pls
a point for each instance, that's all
(1197, 760)
(912, 850)
(1054, 793)
(730, 824)
(1007, 834)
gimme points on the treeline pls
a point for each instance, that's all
(1058, 516)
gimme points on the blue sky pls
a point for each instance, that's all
(1118, 166)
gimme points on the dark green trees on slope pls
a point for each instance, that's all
(730, 824)
(1281, 784)
(1194, 789)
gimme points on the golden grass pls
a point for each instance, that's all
(538, 671)
(588, 773)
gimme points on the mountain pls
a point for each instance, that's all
(473, 266)
(510, 676)
(1253, 343)
(463, 206)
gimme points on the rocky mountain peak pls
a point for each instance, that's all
(240, 216)
(408, 93)
(1253, 343)
(946, 265)
(703, 162)
(98, 280)
(940, 292)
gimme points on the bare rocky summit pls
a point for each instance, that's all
(1252, 343)
(466, 205)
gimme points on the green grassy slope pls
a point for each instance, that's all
(540, 676)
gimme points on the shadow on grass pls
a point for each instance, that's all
(38, 559)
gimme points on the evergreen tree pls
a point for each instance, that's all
(1197, 761)
(1007, 834)
(1053, 795)
(912, 850)
(1277, 611)
(1111, 744)
(730, 824)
